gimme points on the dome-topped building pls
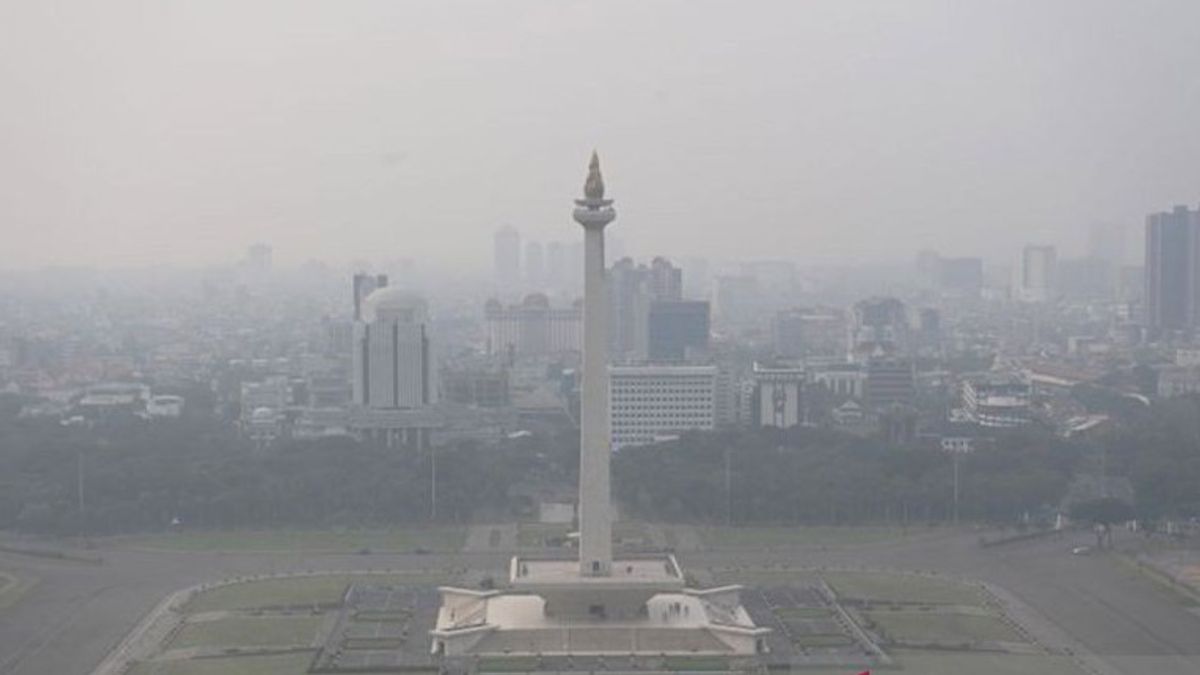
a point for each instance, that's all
(393, 363)
(394, 304)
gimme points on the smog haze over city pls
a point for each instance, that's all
(564, 337)
(169, 133)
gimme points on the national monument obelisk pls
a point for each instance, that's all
(593, 212)
(637, 605)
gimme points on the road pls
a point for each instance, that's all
(78, 611)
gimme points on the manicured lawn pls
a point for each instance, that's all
(901, 588)
(511, 664)
(442, 539)
(765, 577)
(275, 631)
(757, 537)
(980, 663)
(697, 663)
(960, 663)
(295, 591)
(824, 640)
(283, 664)
(804, 613)
(950, 628)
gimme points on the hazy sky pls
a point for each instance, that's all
(180, 132)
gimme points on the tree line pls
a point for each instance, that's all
(144, 476)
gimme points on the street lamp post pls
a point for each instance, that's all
(432, 482)
(956, 458)
(79, 491)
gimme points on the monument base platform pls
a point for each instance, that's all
(553, 610)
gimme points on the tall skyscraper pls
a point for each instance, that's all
(666, 280)
(393, 363)
(1172, 270)
(1037, 274)
(364, 285)
(506, 256)
(633, 289)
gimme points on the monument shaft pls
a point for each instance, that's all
(593, 212)
(595, 527)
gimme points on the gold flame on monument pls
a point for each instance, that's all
(593, 188)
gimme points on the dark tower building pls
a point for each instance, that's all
(1172, 274)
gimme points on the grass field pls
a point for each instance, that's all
(510, 664)
(759, 537)
(819, 640)
(285, 664)
(276, 631)
(804, 613)
(294, 591)
(901, 588)
(944, 627)
(952, 663)
(441, 539)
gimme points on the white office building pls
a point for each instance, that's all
(654, 403)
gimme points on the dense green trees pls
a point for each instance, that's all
(822, 476)
(141, 475)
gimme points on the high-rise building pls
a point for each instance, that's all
(532, 327)
(1172, 270)
(633, 289)
(393, 363)
(677, 330)
(666, 280)
(506, 256)
(654, 403)
(1037, 273)
(364, 285)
